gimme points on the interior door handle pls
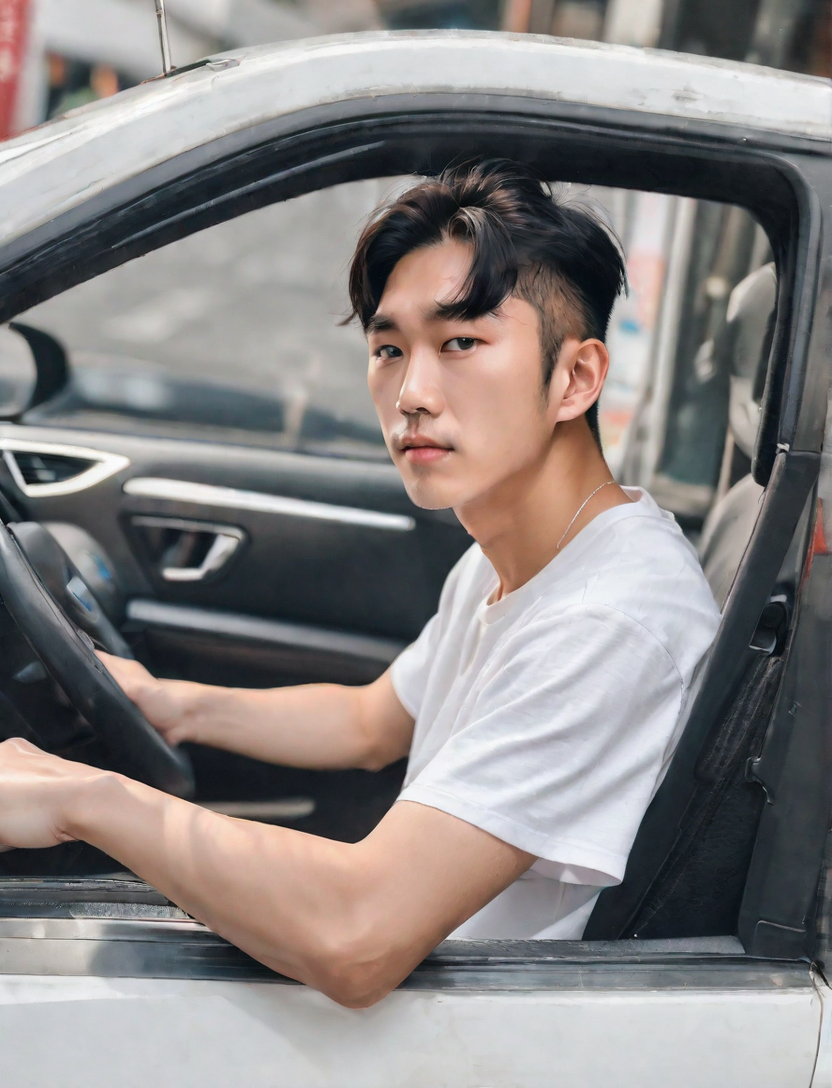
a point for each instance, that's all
(224, 545)
(187, 551)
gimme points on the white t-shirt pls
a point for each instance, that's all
(548, 718)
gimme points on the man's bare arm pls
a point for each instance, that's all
(351, 920)
(316, 726)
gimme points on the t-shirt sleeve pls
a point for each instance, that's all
(564, 742)
(410, 669)
(409, 672)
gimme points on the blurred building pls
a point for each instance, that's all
(441, 14)
(791, 34)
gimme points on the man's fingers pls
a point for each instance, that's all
(111, 663)
(129, 675)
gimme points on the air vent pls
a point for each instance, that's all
(49, 468)
(44, 469)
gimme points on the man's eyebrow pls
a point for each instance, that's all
(441, 311)
(449, 311)
(381, 323)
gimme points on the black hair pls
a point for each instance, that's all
(558, 256)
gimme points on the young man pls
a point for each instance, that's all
(539, 707)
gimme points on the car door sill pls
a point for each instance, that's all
(184, 949)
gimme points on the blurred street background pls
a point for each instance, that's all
(57, 54)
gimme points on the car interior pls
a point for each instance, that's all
(200, 483)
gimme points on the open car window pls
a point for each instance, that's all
(238, 333)
(234, 332)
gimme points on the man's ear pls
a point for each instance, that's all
(578, 377)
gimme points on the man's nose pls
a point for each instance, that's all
(420, 393)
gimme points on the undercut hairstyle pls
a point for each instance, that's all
(557, 256)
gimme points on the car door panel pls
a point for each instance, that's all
(347, 551)
(228, 648)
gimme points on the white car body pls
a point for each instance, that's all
(122, 999)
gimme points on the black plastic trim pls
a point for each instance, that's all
(798, 277)
(183, 949)
(777, 914)
(256, 629)
(52, 365)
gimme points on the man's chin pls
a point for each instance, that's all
(430, 503)
(426, 497)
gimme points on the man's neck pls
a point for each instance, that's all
(522, 524)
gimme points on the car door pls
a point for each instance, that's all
(121, 983)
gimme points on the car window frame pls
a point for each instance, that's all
(352, 140)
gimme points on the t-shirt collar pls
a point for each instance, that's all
(642, 506)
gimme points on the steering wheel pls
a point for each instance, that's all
(67, 652)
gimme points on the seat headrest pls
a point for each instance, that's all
(744, 346)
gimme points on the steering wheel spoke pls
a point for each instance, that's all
(63, 635)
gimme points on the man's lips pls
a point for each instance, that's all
(422, 451)
(425, 455)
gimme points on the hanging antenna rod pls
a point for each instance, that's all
(167, 67)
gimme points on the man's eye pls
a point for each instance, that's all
(459, 343)
(388, 351)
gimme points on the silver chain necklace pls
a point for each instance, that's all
(579, 511)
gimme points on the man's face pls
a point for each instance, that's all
(461, 403)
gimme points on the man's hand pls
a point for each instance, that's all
(315, 726)
(167, 704)
(37, 792)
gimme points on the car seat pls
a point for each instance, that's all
(743, 348)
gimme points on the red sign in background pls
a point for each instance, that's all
(14, 17)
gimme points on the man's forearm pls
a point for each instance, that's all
(349, 919)
(275, 909)
(317, 726)
(305, 906)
